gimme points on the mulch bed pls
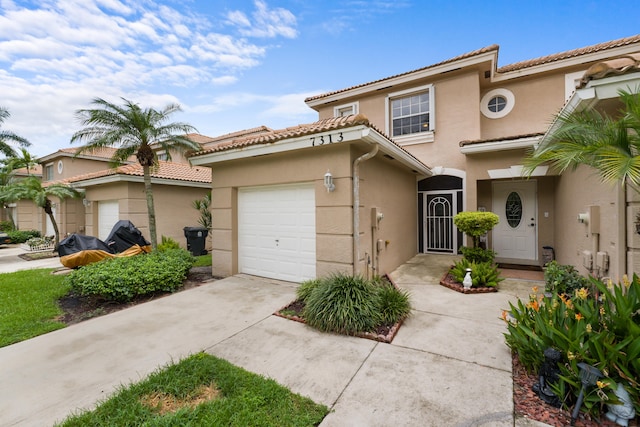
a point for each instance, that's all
(448, 281)
(527, 404)
(383, 333)
(78, 308)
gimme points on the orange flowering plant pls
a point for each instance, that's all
(598, 324)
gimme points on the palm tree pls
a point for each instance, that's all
(611, 145)
(23, 159)
(133, 130)
(31, 188)
(6, 136)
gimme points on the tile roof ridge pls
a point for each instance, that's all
(505, 138)
(490, 48)
(599, 47)
(612, 67)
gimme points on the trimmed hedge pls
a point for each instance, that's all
(123, 279)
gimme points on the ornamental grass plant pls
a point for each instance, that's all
(351, 305)
(598, 325)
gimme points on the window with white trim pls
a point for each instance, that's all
(345, 110)
(497, 103)
(48, 172)
(163, 156)
(410, 115)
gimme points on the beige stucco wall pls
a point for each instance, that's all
(74, 166)
(575, 192)
(384, 185)
(172, 205)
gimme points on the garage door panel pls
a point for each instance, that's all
(276, 232)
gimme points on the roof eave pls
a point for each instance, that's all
(490, 147)
(490, 56)
(118, 177)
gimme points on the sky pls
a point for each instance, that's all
(238, 64)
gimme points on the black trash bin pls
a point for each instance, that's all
(196, 237)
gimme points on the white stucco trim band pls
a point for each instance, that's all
(129, 178)
(513, 144)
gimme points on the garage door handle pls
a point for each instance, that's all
(277, 241)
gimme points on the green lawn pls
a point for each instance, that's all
(28, 304)
(203, 390)
(203, 261)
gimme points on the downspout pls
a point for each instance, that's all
(356, 207)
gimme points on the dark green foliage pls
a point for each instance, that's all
(349, 305)
(601, 329)
(562, 279)
(483, 274)
(123, 279)
(244, 399)
(21, 236)
(393, 304)
(305, 289)
(475, 224)
(6, 226)
(168, 243)
(478, 254)
(343, 304)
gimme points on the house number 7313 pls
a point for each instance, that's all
(326, 139)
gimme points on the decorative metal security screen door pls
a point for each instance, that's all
(515, 235)
(439, 234)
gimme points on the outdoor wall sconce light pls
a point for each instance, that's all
(328, 182)
(86, 203)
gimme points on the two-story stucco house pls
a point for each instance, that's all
(383, 172)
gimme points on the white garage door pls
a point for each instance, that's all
(108, 215)
(277, 232)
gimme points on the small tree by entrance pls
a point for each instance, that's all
(475, 224)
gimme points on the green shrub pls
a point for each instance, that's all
(393, 304)
(483, 274)
(343, 304)
(6, 226)
(475, 224)
(562, 279)
(168, 243)
(123, 279)
(478, 254)
(305, 289)
(21, 236)
(602, 330)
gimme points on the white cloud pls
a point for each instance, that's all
(57, 56)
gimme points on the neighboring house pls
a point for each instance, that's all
(467, 118)
(114, 194)
(23, 208)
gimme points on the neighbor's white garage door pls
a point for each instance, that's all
(108, 215)
(277, 232)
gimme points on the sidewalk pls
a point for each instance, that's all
(10, 261)
(448, 365)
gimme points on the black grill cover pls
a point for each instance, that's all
(124, 235)
(78, 242)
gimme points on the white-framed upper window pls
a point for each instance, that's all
(571, 82)
(345, 110)
(163, 156)
(48, 172)
(497, 103)
(411, 115)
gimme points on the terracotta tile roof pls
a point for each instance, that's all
(505, 138)
(491, 48)
(290, 132)
(296, 131)
(34, 170)
(570, 54)
(166, 170)
(612, 67)
(99, 153)
(199, 138)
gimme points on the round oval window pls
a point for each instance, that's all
(513, 209)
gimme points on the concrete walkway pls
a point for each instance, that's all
(10, 261)
(448, 365)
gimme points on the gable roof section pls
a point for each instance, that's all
(166, 173)
(420, 72)
(103, 154)
(613, 67)
(352, 127)
(596, 48)
(583, 55)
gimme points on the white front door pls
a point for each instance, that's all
(277, 231)
(515, 236)
(49, 231)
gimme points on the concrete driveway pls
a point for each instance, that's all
(448, 365)
(10, 261)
